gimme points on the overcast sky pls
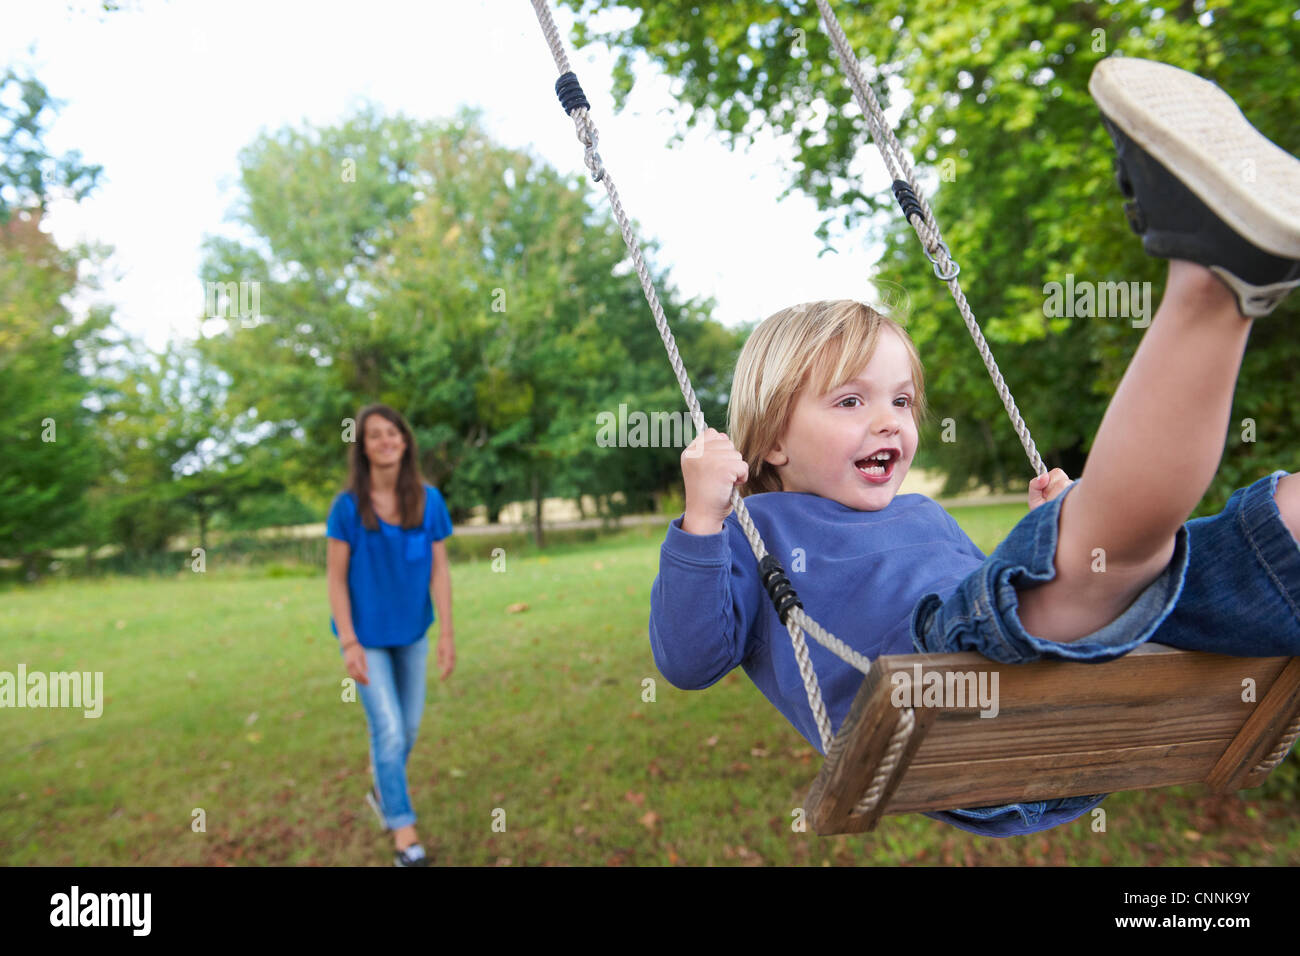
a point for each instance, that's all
(164, 94)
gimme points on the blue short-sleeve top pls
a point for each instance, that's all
(389, 570)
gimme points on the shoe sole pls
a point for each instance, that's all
(423, 861)
(1196, 131)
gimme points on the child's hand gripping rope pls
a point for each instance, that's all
(711, 467)
(1046, 487)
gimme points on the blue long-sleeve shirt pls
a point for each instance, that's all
(860, 573)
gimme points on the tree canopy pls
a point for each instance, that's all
(466, 284)
(50, 447)
(991, 101)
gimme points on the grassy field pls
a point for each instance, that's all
(223, 693)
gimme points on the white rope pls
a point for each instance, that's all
(797, 621)
(906, 724)
(1283, 746)
(927, 230)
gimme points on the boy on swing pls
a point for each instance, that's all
(823, 426)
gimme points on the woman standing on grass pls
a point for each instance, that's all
(385, 554)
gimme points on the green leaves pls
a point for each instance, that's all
(51, 456)
(468, 285)
(28, 172)
(1000, 87)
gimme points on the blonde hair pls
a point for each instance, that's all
(818, 345)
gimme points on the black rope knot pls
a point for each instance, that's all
(778, 587)
(569, 90)
(907, 199)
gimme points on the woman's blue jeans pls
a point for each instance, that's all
(394, 703)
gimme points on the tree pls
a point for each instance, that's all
(173, 456)
(462, 282)
(28, 172)
(50, 457)
(994, 106)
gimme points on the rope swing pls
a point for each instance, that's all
(856, 747)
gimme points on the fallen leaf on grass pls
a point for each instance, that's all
(649, 820)
(636, 798)
(516, 608)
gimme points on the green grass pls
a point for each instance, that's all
(223, 692)
(987, 525)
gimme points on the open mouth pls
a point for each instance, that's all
(879, 467)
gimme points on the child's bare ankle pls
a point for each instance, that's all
(1195, 283)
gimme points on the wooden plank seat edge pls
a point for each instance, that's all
(1156, 717)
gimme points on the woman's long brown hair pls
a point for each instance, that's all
(410, 482)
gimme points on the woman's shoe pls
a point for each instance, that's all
(413, 855)
(1204, 185)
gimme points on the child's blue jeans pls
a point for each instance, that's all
(394, 703)
(1231, 587)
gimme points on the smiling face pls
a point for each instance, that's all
(830, 436)
(385, 443)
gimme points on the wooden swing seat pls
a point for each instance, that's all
(1156, 717)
